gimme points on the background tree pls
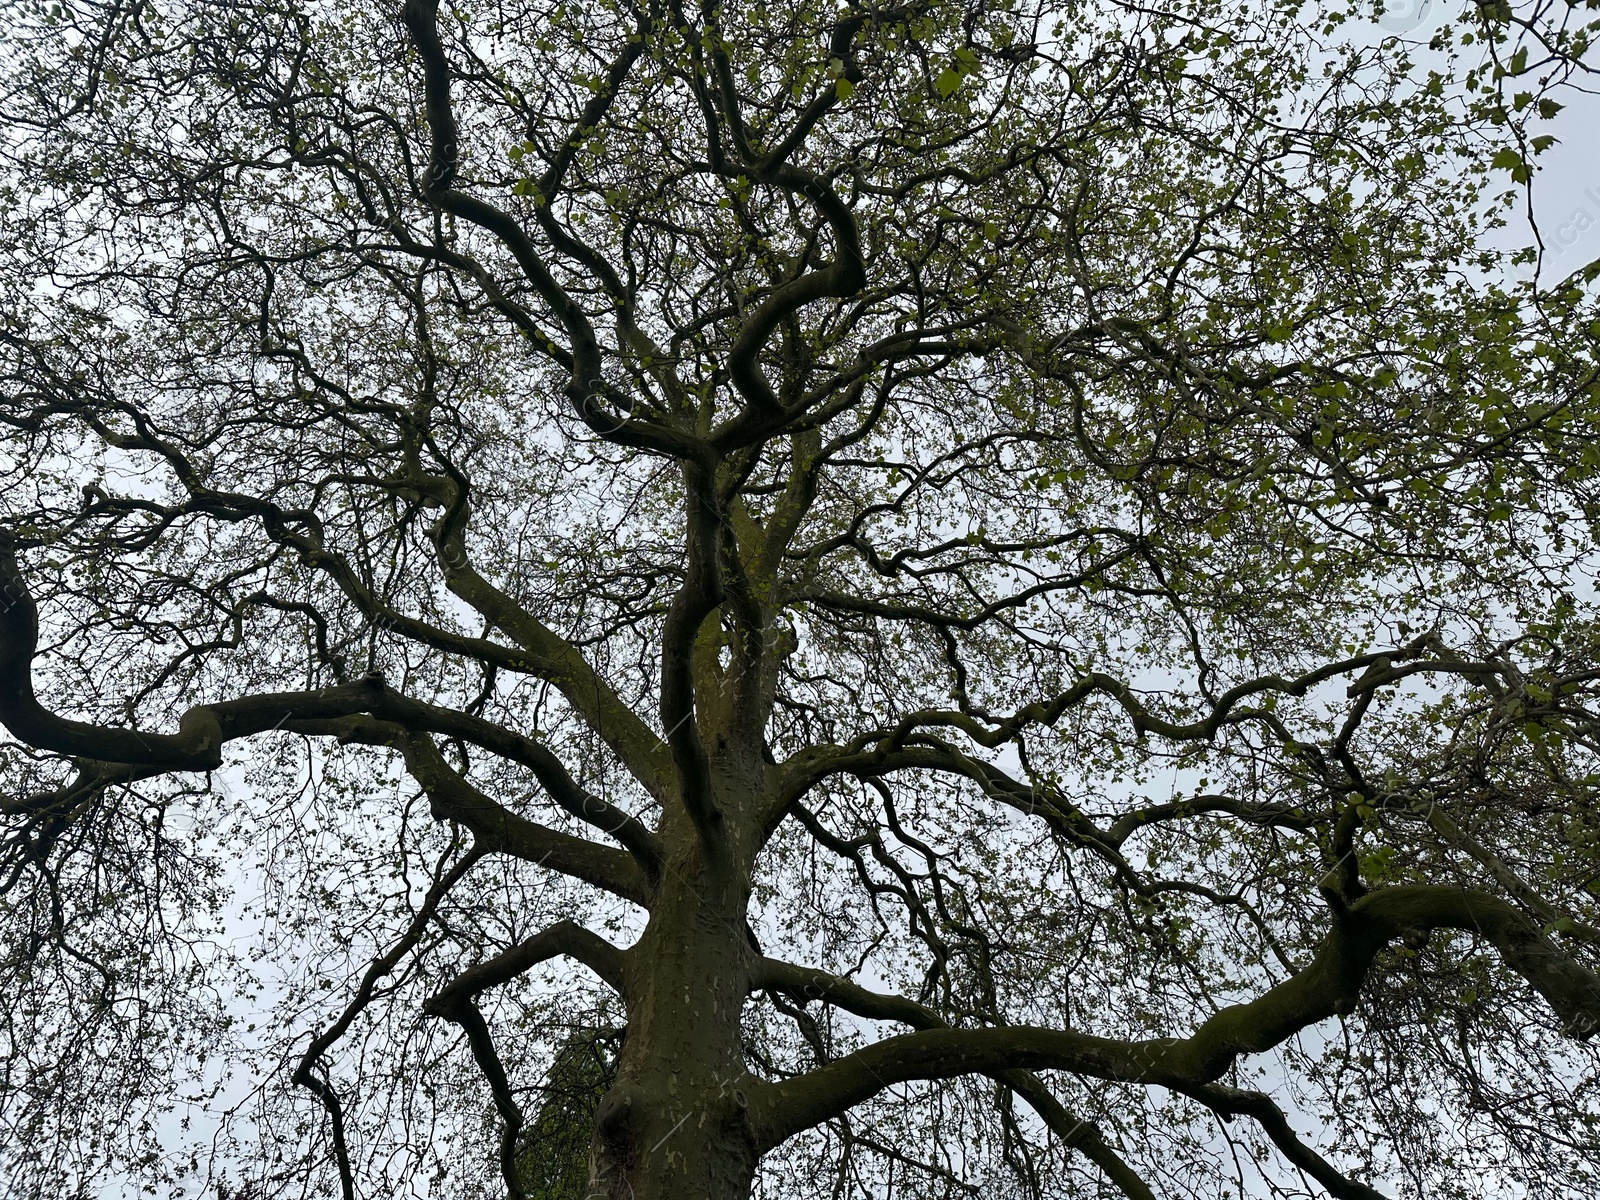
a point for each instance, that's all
(555, 1165)
(1006, 589)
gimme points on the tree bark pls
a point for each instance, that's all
(675, 1124)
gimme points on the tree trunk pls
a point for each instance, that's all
(674, 1126)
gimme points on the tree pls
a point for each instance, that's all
(1006, 590)
(555, 1165)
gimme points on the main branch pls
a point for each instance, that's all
(1328, 986)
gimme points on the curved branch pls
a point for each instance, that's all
(456, 1002)
(205, 728)
(1229, 1102)
(493, 825)
(1282, 816)
(197, 746)
(843, 277)
(1074, 1131)
(566, 939)
(991, 730)
(1328, 986)
(587, 385)
(542, 653)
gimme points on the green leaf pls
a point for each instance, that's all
(1507, 159)
(947, 83)
(843, 88)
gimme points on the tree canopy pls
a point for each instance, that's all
(870, 600)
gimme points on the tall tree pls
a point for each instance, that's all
(1005, 588)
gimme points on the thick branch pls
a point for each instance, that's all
(701, 593)
(566, 939)
(197, 746)
(840, 278)
(496, 827)
(1078, 1132)
(1329, 986)
(204, 729)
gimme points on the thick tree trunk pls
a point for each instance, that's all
(674, 1126)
